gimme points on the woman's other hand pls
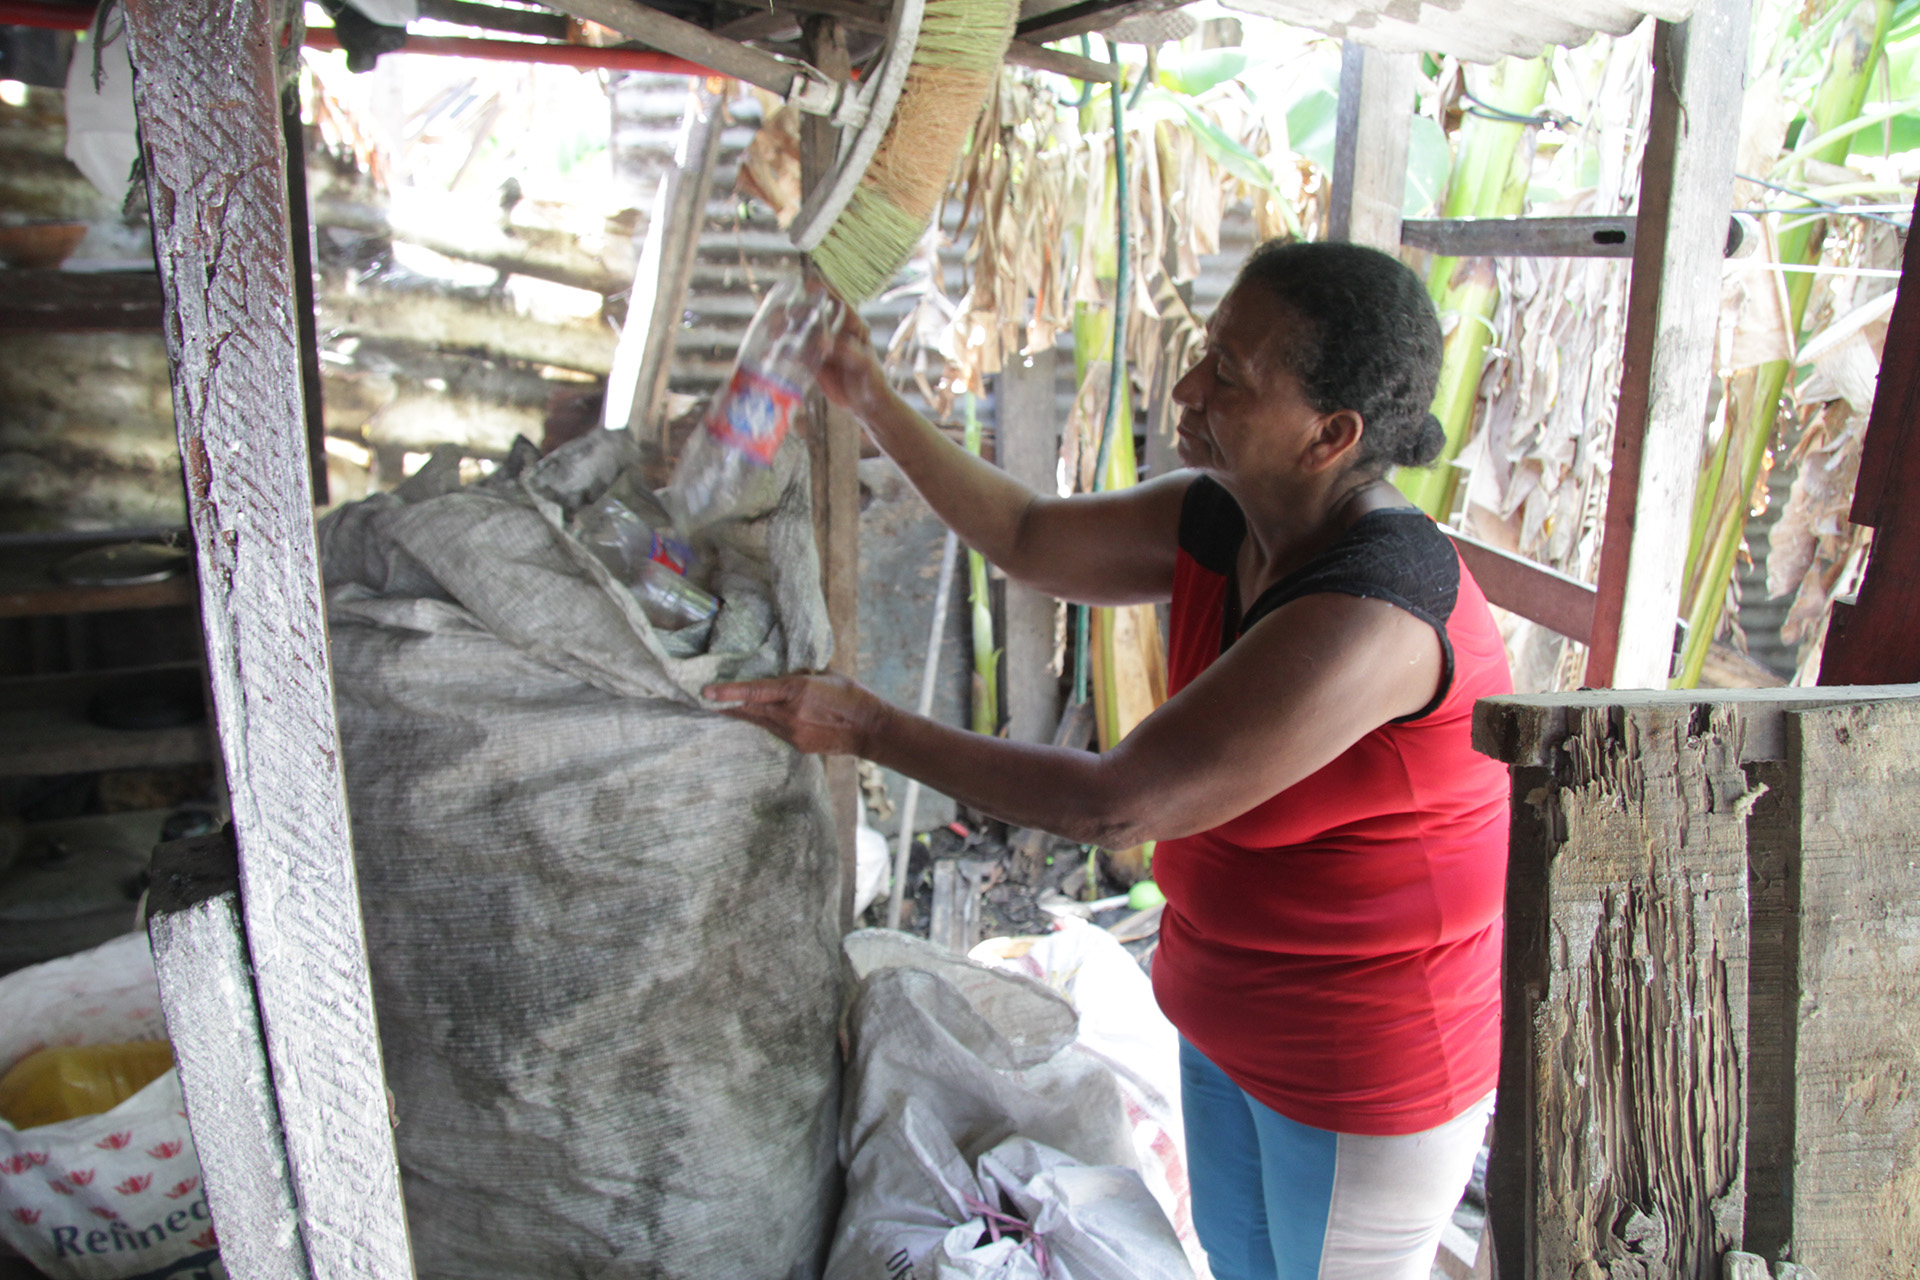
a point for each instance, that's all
(850, 374)
(817, 714)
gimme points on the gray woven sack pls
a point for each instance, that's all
(603, 921)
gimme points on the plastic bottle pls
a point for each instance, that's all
(652, 564)
(789, 337)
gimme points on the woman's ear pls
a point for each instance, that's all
(1336, 440)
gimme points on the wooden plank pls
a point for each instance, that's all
(493, 17)
(1042, 22)
(209, 113)
(35, 602)
(1371, 131)
(833, 437)
(1876, 638)
(1522, 237)
(300, 232)
(1773, 1002)
(1856, 1141)
(1673, 305)
(1023, 53)
(1620, 1143)
(79, 301)
(206, 991)
(1527, 731)
(1556, 601)
(643, 359)
(1027, 446)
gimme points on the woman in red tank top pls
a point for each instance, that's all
(1332, 849)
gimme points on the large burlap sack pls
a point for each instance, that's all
(603, 921)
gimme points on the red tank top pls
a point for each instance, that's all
(1336, 949)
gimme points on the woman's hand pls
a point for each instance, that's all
(850, 374)
(817, 714)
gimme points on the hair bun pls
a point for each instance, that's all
(1425, 443)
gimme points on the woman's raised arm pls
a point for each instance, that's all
(1107, 549)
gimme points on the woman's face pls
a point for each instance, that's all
(1242, 412)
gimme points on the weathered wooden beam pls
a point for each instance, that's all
(208, 105)
(1027, 447)
(637, 387)
(1042, 21)
(493, 17)
(1876, 637)
(1522, 237)
(1527, 730)
(78, 301)
(1853, 1009)
(1372, 127)
(1534, 237)
(1673, 308)
(1557, 602)
(456, 228)
(300, 234)
(207, 993)
(1024, 53)
(833, 436)
(1620, 1130)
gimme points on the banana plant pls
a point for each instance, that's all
(986, 656)
(1493, 163)
(1733, 467)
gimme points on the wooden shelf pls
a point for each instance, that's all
(78, 301)
(44, 728)
(28, 587)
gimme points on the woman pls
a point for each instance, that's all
(1332, 849)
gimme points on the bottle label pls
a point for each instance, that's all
(754, 414)
(671, 553)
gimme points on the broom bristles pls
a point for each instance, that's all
(954, 62)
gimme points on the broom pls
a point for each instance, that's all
(904, 127)
(895, 194)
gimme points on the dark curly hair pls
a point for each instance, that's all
(1371, 342)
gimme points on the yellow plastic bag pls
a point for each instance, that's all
(63, 1083)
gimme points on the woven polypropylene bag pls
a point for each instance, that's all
(603, 921)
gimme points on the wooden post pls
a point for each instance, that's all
(206, 989)
(1673, 306)
(1877, 639)
(833, 436)
(1620, 1128)
(1756, 841)
(300, 228)
(1027, 447)
(1370, 139)
(643, 360)
(1854, 1012)
(210, 127)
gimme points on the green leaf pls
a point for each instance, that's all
(1195, 73)
(1310, 125)
(1227, 153)
(1429, 164)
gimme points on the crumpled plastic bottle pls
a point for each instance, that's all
(744, 426)
(653, 564)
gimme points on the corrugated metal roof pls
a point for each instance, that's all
(1474, 30)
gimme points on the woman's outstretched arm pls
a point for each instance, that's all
(1108, 549)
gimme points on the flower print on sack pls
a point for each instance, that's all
(114, 1141)
(134, 1185)
(80, 1177)
(167, 1150)
(101, 1211)
(27, 1216)
(182, 1188)
(207, 1239)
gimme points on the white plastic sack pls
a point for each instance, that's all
(1122, 1026)
(109, 1196)
(603, 921)
(965, 1115)
(102, 139)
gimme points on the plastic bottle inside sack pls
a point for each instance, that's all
(789, 337)
(651, 562)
